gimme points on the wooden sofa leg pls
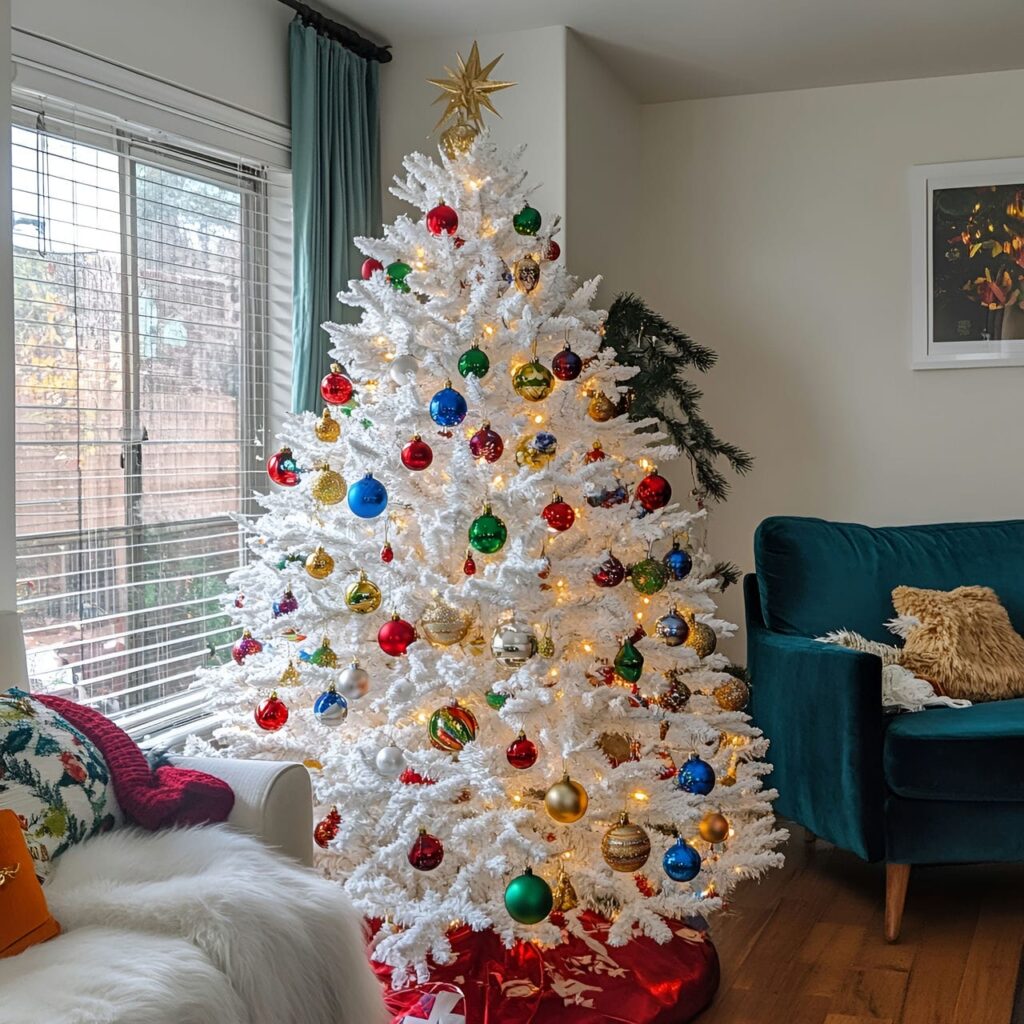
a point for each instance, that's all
(896, 878)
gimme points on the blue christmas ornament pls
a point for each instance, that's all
(696, 776)
(678, 562)
(330, 708)
(448, 407)
(367, 497)
(681, 861)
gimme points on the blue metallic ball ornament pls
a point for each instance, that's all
(696, 776)
(678, 562)
(681, 861)
(448, 407)
(368, 497)
(330, 708)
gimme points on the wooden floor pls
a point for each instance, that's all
(805, 945)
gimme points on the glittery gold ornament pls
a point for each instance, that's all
(329, 487)
(458, 140)
(466, 92)
(526, 274)
(625, 846)
(444, 624)
(564, 894)
(533, 381)
(545, 645)
(290, 675)
(319, 564)
(732, 695)
(536, 450)
(566, 801)
(618, 748)
(714, 827)
(363, 596)
(702, 639)
(327, 428)
(600, 407)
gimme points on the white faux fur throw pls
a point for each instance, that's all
(192, 926)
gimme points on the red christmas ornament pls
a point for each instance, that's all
(643, 886)
(245, 645)
(486, 444)
(459, 243)
(240, 601)
(566, 365)
(521, 753)
(653, 492)
(442, 220)
(552, 251)
(336, 388)
(387, 553)
(281, 468)
(558, 514)
(602, 674)
(610, 573)
(272, 713)
(636, 698)
(417, 454)
(469, 566)
(395, 636)
(427, 852)
(596, 453)
(327, 829)
(411, 778)
(370, 267)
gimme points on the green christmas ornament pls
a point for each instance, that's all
(527, 221)
(324, 655)
(487, 533)
(649, 576)
(528, 898)
(396, 274)
(474, 361)
(533, 381)
(495, 700)
(629, 662)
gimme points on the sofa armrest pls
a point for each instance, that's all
(273, 801)
(821, 708)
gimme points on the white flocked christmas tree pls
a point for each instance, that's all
(532, 651)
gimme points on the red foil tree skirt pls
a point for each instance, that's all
(582, 981)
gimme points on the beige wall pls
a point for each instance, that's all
(776, 230)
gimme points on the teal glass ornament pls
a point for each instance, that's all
(648, 576)
(474, 361)
(396, 274)
(528, 898)
(487, 533)
(681, 861)
(527, 221)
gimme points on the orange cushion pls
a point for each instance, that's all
(25, 918)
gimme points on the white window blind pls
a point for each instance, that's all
(141, 344)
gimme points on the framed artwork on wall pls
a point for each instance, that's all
(967, 232)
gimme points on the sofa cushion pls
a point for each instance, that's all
(815, 576)
(963, 754)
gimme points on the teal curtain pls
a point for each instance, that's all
(335, 191)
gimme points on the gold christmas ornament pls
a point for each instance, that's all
(545, 645)
(536, 450)
(458, 140)
(533, 381)
(702, 639)
(363, 596)
(443, 624)
(566, 801)
(618, 747)
(466, 92)
(319, 564)
(714, 827)
(732, 695)
(329, 487)
(625, 846)
(563, 894)
(290, 675)
(327, 428)
(600, 407)
(526, 274)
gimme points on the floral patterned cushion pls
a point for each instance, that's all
(53, 779)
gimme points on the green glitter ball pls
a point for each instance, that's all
(487, 533)
(649, 576)
(396, 274)
(527, 221)
(474, 361)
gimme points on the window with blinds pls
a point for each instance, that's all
(140, 287)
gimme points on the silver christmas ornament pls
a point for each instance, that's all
(404, 369)
(513, 643)
(352, 682)
(672, 629)
(390, 762)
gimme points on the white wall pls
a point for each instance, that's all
(776, 231)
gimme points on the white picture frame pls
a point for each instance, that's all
(928, 352)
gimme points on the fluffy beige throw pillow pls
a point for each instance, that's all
(963, 641)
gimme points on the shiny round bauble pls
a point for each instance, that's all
(442, 220)
(469, 565)
(533, 381)
(536, 450)
(681, 861)
(458, 140)
(396, 635)
(521, 752)
(335, 387)
(552, 251)
(448, 408)
(390, 762)
(282, 468)
(324, 656)
(653, 492)
(496, 700)
(287, 604)
(672, 629)
(486, 444)
(427, 851)
(327, 829)
(271, 714)
(327, 428)
(245, 646)
(487, 533)
(526, 274)
(450, 728)
(396, 273)
(443, 624)
(417, 454)
(328, 487)
(648, 576)
(558, 514)
(353, 681)
(600, 407)
(566, 801)
(677, 696)
(319, 564)
(625, 846)
(363, 596)
(404, 368)
(528, 898)
(714, 827)
(610, 573)
(629, 662)
(387, 553)
(474, 361)
(330, 708)
(732, 695)
(370, 267)
(527, 221)
(367, 498)
(596, 453)
(678, 562)
(513, 643)
(702, 639)
(696, 776)
(566, 365)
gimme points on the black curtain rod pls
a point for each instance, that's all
(348, 37)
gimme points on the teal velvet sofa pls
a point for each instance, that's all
(937, 786)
